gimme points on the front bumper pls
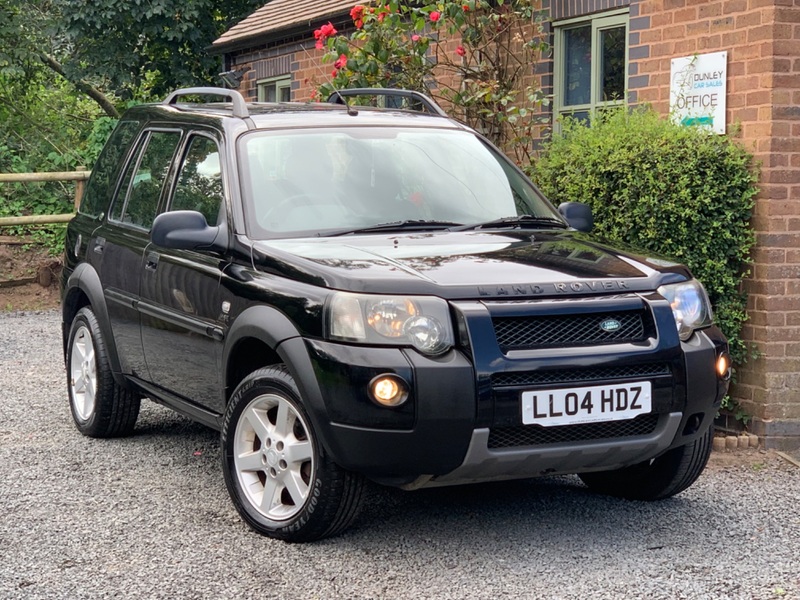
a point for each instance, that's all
(463, 422)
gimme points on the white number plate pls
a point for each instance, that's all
(586, 404)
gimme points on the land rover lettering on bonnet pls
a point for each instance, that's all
(350, 293)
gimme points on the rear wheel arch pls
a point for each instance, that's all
(100, 406)
(83, 288)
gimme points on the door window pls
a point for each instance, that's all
(200, 183)
(145, 180)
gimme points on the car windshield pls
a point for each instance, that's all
(320, 182)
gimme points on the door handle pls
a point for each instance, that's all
(152, 261)
(99, 245)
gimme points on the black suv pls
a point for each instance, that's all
(349, 292)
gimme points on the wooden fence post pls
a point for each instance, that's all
(80, 185)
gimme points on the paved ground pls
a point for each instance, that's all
(148, 517)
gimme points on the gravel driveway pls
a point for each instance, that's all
(149, 517)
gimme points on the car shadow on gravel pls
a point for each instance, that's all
(168, 423)
(507, 513)
(503, 513)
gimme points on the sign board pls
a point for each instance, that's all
(698, 87)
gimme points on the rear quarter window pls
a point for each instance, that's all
(100, 188)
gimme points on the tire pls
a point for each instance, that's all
(100, 407)
(277, 474)
(655, 479)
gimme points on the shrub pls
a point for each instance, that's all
(670, 190)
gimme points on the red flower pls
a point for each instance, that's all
(357, 14)
(313, 94)
(324, 33)
(341, 62)
(460, 51)
(435, 16)
(334, 72)
(415, 38)
(465, 8)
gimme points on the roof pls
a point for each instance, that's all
(278, 15)
(293, 115)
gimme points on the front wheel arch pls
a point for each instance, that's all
(271, 329)
(279, 477)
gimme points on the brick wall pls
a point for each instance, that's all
(299, 59)
(762, 38)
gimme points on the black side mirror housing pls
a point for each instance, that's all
(188, 230)
(578, 215)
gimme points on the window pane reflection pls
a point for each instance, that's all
(578, 65)
(612, 67)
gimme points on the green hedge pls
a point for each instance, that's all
(674, 191)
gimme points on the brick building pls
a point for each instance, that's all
(612, 51)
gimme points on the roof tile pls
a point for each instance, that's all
(282, 14)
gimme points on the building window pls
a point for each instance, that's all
(275, 89)
(590, 64)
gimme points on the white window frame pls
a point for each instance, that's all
(599, 22)
(280, 82)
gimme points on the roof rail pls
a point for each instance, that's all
(338, 97)
(239, 106)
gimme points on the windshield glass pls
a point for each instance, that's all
(309, 182)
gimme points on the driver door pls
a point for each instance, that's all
(181, 307)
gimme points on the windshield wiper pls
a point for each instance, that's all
(407, 225)
(517, 221)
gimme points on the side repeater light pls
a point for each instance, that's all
(724, 367)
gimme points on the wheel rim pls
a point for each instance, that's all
(274, 457)
(83, 373)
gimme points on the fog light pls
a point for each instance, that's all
(724, 366)
(388, 390)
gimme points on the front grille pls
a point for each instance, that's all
(524, 333)
(528, 378)
(536, 435)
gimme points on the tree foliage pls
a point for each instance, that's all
(146, 47)
(69, 67)
(121, 49)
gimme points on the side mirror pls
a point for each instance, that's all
(578, 215)
(187, 230)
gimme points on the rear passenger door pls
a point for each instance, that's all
(121, 240)
(181, 306)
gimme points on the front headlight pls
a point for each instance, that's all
(419, 321)
(690, 306)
